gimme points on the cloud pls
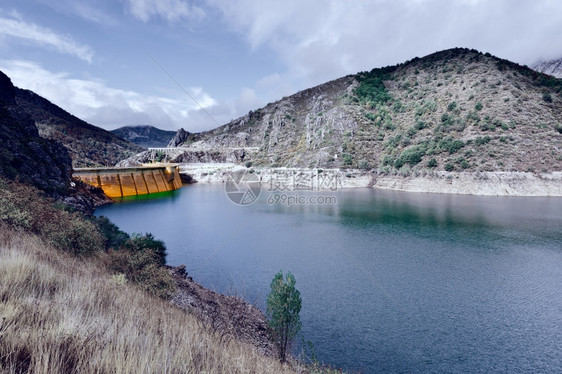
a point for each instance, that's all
(94, 101)
(171, 10)
(319, 40)
(96, 11)
(16, 28)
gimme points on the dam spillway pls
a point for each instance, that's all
(132, 181)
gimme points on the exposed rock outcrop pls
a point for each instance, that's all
(553, 67)
(180, 138)
(228, 315)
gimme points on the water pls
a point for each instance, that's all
(390, 281)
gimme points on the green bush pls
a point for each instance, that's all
(146, 242)
(450, 145)
(547, 97)
(482, 140)
(25, 208)
(411, 156)
(159, 156)
(347, 159)
(370, 116)
(114, 237)
(432, 163)
(387, 160)
(371, 86)
(449, 167)
(478, 106)
(420, 125)
(143, 268)
(452, 106)
(141, 258)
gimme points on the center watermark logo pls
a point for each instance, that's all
(242, 187)
(284, 186)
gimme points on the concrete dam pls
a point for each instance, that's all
(132, 181)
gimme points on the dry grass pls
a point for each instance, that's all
(63, 314)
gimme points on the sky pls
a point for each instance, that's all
(198, 64)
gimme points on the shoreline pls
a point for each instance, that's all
(464, 183)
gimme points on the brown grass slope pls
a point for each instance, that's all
(457, 109)
(88, 145)
(62, 314)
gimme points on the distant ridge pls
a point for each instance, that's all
(145, 136)
(88, 145)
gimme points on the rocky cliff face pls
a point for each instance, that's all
(88, 145)
(31, 159)
(179, 138)
(455, 110)
(24, 155)
(553, 67)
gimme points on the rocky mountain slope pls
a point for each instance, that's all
(145, 136)
(454, 110)
(40, 162)
(553, 67)
(34, 160)
(88, 145)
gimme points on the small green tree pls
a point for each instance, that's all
(283, 308)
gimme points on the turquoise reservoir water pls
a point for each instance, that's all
(390, 281)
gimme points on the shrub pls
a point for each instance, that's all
(371, 86)
(347, 159)
(547, 97)
(482, 140)
(143, 268)
(25, 208)
(447, 119)
(159, 156)
(450, 145)
(452, 106)
(370, 116)
(432, 163)
(387, 160)
(114, 237)
(248, 164)
(558, 127)
(420, 125)
(411, 155)
(363, 164)
(146, 242)
(478, 106)
(449, 167)
(283, 308)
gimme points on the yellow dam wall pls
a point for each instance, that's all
(121, 182)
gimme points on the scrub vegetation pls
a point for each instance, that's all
(78, 295)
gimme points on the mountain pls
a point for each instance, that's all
(553, 67)
(454, 110)
(26, 156)
(179, 138)
(145, 136)
(88, 145)
(30, 159)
